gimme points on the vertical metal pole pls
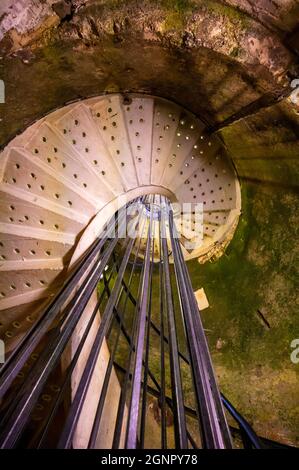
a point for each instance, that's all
(178, 399)
(215, 431)
(162, 346)
(75, 409)
(99, 411)
(132, 427)
(126, 381)
(147, 345)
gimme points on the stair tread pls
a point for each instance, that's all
(81, 131)
(109, 119)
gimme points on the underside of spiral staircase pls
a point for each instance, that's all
(64, 176)
(62, 180)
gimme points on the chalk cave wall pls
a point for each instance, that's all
(232, 63)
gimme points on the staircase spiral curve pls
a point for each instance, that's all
(61, 179)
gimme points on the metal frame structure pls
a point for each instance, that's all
(183, 383)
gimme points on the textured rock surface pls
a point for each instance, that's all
(218, 59)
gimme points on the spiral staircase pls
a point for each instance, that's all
(64, 176)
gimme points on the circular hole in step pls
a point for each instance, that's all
(17, 166)
(32, 252)
(16, 250)
(46, 397)
(27, 284)
(16, 324)
(56, 226)
(48, 252)
(41, 222)
(13, 287)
